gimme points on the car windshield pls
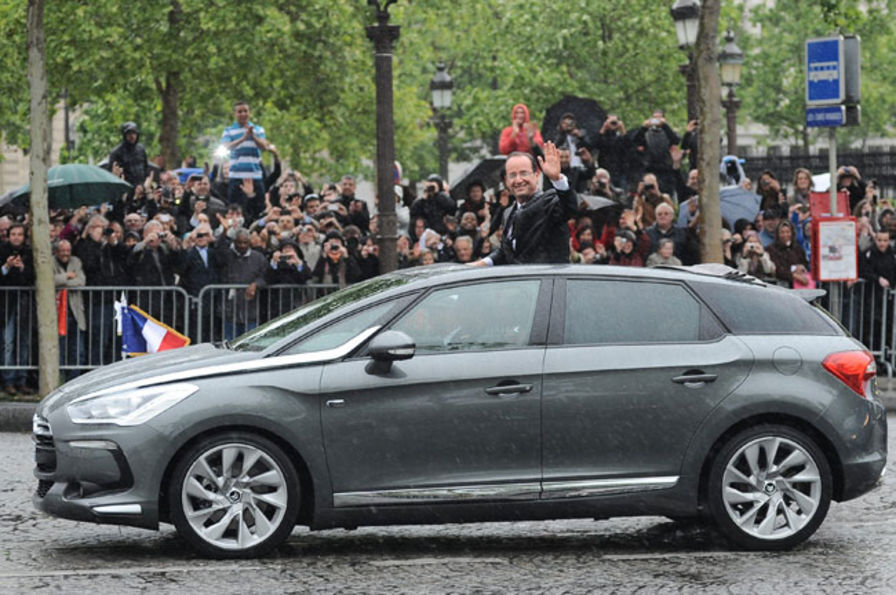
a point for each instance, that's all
(266, 335)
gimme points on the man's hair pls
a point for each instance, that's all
(18, 226)
(665, 241)
(236, 104)
(463, 238)
(667, 206)
(528, 156)
(347, 177)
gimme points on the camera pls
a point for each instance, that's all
(283, 261)
(649, 187)
(654, 121)
(108, 231)
(333, 247)
(163, 235)
(614, 123)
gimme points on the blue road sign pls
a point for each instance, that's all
(825, 79)
(825, 116)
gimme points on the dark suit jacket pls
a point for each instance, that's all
(540, 232)
(194, 274)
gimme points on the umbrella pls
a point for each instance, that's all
(73, 185)
(738, 203)
(599, 202)
(589, 115)
(488, 171)
(183, 173)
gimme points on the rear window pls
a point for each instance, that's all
(763, 310)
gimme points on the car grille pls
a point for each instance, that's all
(43, 486)
(44, 448)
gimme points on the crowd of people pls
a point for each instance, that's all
(242, 223)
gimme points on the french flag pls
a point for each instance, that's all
(141, 333)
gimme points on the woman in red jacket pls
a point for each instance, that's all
(521, 135)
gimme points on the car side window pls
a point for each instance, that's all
(600, 311)
(491, 315)
(336, 334)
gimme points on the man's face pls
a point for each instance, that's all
(131, 137)
(202, 186)
(521, 178)
(4, 229)
(288, 250)
(286, 223)
(463, 251)
(882, 241)
(63, 252)
(17, 237)
(693, 179)
(664, 218)
(311, 207)
(288, 187)
(348, 187)
(567, 124)
(241, 114)
(784, 234)
(203, 236)
(242, 243)
(475, 193)
(565, 158)
(468, 221)
(770, 223)
(133, 222)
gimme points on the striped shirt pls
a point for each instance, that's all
(245, 158)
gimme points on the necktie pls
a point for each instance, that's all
(511, 220)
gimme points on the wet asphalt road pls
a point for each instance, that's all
(853, 552)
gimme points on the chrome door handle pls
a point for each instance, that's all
(507, 390)
(694, 379)
(336, 403)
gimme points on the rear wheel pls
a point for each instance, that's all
(769, 488)
(234, 495)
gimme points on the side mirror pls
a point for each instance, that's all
(388, 347)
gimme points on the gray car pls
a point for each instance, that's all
(455, 394)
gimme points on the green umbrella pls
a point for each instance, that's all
(76, 184)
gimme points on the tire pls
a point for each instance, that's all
(224, 509)
(769, 468)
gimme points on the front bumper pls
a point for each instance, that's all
(89, 478)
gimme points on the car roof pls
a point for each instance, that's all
(441, 274)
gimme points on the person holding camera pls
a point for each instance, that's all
(16, 270)
(153, 260)
(433, 205)
(287, 266)
(654, 140)
(129, 157)
(649, 197)
(336, 265)
(614, 149)
(849, 180)
(753, 259)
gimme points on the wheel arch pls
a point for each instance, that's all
(306, 484)
(785, 419)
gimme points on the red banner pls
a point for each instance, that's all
(62, 311)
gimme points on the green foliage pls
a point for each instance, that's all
(307, 69)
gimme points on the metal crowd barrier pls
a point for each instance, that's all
(217, 311)
(222, 312)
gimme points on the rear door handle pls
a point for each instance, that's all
(694, 379)
(336, 403)
(508, 390)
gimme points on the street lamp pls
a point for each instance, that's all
(686, 15)
(383, 35)
(731, 59)
(442, 87)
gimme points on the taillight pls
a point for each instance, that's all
(854, 368)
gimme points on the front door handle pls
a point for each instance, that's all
(696, 379)
(508, 390)
(336, 403)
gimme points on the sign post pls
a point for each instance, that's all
(832, 98)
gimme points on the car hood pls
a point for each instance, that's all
(144, 370)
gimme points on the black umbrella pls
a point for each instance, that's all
(488, 171)
(73, 185)
(589, 116)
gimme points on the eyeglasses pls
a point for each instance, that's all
(521, 174)
(201, 235)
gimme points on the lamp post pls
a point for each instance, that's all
(442, 87)
(686, 14)
(731, 59)
(383, 35)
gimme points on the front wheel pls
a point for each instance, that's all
(234, 495)
(769, 488)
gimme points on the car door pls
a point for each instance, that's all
(631, 370)
(460, 420)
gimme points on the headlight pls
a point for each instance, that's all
(130, 407)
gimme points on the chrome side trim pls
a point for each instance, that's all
(515, 491)
(600, 487)
(118, 509)
(264, 363)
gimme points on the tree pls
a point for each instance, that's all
(48, 344)
(709, 97)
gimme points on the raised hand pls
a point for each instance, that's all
(550, 164)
